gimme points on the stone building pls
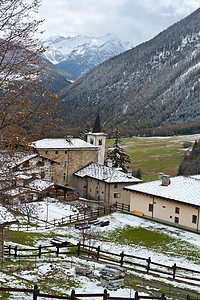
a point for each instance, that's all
(72, 154)
(103, 183)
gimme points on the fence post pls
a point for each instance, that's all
(174, 271)
(39, 251)
(79, 245)
(9, 249)
(73, 294)
(36, 292)
(148, 264)
(57, 250)
(122, 206)
(70, 219)
(136, 296)
(122, 258)
(129, 207)
(163, 296)
(105, 295)
(54, 222)
(98, 250)
(188, 297)
(15, 255)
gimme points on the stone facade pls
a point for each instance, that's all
(69, 162)
(108, 193)
(99, 140)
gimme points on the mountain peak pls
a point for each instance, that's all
(81, 53)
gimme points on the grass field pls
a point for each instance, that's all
(155, 154)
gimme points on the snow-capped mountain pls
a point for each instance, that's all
(151, 89)
(81, 53)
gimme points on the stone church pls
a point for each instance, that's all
(72, 154)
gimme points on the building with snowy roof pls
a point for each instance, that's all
(103, 183)
(72, 154)
(173, 200)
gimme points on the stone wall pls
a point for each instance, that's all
(69, 161)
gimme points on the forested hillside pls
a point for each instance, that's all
(191, 163)
(151, 89)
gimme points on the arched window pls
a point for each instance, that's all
(100, 142)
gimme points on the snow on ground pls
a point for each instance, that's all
(56, 210)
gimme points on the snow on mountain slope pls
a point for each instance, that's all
(81, 53)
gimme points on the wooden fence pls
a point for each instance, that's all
(64, 221)
(105, 295)
(131, 262)
(139, 264)
(122, 206)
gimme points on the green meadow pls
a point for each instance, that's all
(155, 154)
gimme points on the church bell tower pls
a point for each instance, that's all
(97, 138)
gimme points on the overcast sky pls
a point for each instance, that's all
(134, 21)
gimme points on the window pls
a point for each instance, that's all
(91, 141)
(117, 195)
(177, 210)
(56, 152)
(40, 163)
(65, 164)
(64, 176)
(46, 152)
(100, 142)
(176, 220)
(116, 185)
(150, 207)
(194, 219)
(65, 152)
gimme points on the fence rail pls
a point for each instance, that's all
(105, 295)
(131, 262)
(71, 219)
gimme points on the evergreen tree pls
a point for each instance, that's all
(117, 154)
(191, 163)
(83, 134)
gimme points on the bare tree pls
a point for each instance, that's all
(25, 101)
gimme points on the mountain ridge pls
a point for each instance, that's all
(81, 53)
(153, 85)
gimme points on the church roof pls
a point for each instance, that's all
(97, 125)
(62, 143)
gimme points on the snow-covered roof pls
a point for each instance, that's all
(62, 143)
(40, 185)
(5, 216)
(107, 174)
(181, 188)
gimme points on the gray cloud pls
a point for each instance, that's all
(135, 21)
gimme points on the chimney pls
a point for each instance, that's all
(129, 174)
(165, 180)
(68, 138)
(160, 176)
(105, 175)
(109, 163)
